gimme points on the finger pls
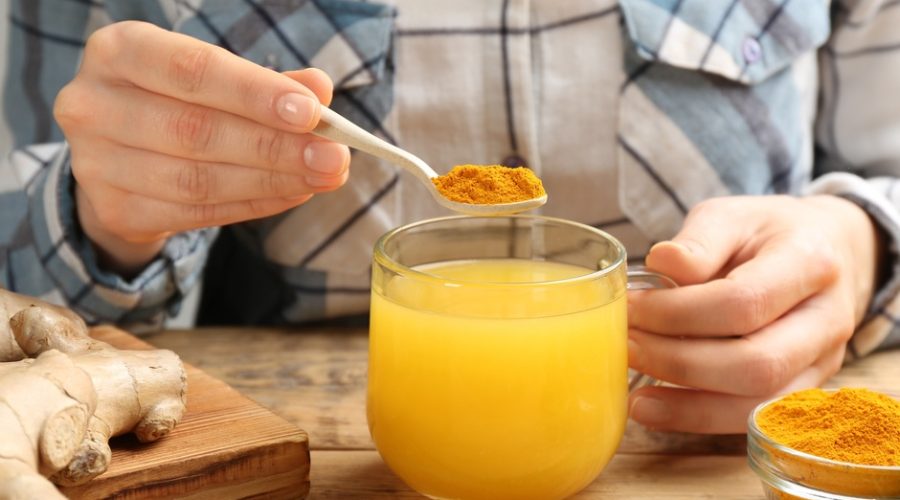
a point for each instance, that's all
(782, 274)
(179, 180)
(138, 218)
(753, 365)
(688, 410)
(710, 237)
(152, 122)
(316, 81)
(191, 70)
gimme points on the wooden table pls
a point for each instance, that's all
(316, 378)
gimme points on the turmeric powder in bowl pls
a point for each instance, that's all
(816, 444)
(489, 184)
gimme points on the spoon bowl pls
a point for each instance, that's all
(339, 129)
(492, 209)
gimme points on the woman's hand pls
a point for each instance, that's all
(168, 133)
(772, 289)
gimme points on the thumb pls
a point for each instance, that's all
(711, 236)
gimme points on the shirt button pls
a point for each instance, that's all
(752, 50)
(514, 161)
(271, 62)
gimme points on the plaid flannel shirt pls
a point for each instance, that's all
(632, 112)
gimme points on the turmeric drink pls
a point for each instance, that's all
(489, 184)
(484, 383)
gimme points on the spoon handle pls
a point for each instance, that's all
(339, 129)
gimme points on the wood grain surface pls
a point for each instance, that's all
(316, 378)
(227, 446)
(362, 474)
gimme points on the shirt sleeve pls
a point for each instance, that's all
(858, 154)
(43, 252)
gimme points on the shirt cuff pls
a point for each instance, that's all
(877, 328)
(69, 260)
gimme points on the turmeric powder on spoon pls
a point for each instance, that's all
(489, 184)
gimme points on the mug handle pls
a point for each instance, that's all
(640, 278)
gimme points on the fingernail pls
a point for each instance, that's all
(684, 247)
(650, 411)
(322, 181)
(325, 157)
(634, 355)
(296, 109)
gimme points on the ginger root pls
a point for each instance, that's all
(45, 406)
(140, 391)
(59, 410)
(10, 304)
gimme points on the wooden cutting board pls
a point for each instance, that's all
(226, 446)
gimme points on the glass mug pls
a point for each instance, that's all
(498, 364)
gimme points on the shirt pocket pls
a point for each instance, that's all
(349, 40)
(745, 41)
(719, 99)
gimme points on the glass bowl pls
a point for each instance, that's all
(790, 474)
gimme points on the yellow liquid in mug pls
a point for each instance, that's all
(465, 405)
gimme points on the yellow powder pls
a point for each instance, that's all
(850, 425)
(489, 184)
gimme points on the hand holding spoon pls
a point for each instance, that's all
(339, 129)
